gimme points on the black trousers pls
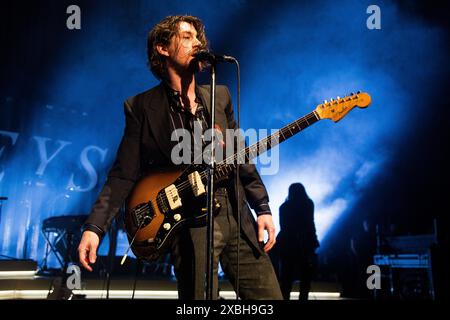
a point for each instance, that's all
(301, 266)
(257, 279)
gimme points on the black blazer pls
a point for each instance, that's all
(146, 143)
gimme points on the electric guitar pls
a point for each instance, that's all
(166, 200)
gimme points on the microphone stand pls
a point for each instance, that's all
(212, 59)
(210, 191)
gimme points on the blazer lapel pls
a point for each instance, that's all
(205, 97)
(158, 108)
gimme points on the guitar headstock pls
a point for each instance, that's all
(336, 109)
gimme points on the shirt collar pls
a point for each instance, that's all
(174, 99)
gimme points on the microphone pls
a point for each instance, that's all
(205, 55)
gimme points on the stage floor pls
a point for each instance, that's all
(120, 287)
(23, 279)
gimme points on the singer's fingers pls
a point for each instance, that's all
(82, 255)
(271, 241)
(93, 253)
(87, 250)
(261, 228)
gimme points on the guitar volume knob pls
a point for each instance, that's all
(177, 217)
(166, 226)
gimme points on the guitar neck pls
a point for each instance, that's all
(225, 167)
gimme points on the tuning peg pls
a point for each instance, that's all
(358, 92)
(331, 99)
(352, 93)
(325, 101)
(338, 98)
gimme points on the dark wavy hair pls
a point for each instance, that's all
(162, 33)
(297, 192)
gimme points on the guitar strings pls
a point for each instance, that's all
(241, 154)
(294, 125)
(247, 150)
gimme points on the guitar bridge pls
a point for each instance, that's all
(143, 214)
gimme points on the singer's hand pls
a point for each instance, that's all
(265, 223)
(87, 250)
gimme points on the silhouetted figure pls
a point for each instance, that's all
(297, 242)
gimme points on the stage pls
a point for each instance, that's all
(41, 287)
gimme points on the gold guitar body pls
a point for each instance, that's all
(159, 205)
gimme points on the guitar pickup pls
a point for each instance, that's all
(173, 197)
(198, 188)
